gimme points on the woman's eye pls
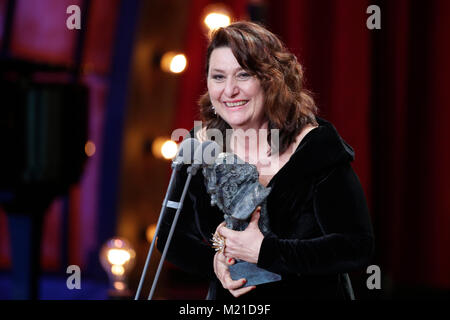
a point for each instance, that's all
(244, 75)
(218, 77)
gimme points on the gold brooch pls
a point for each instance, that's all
(218, 242)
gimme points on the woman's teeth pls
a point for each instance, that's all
(236, 104)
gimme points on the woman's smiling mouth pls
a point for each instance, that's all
(235, 104)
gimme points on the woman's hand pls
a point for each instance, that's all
(243, 245)
(221, 264)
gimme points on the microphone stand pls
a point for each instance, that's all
(192, 170)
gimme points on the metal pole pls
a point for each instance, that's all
(169, 237)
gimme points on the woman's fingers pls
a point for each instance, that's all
(221, 264)
(239, 292)
(220, 225)
(221, 257)
(225, 232)
(255, 215)
(231, 284)
(223, 274)
(225, 260)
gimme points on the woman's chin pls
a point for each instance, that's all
(238, 124)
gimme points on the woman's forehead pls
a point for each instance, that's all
(223, 59)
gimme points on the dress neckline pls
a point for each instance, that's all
(292, 155)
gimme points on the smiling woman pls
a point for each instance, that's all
(318, 221)
(245, 61)
(236, 95)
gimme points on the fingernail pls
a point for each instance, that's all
(229, 260)
(244, 281)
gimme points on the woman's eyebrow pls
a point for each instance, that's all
(220, 70)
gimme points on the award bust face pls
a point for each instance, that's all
(234, 187)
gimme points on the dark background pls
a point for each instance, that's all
(384, 90)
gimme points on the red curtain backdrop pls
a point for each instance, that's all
(437, 185)
(410, 111)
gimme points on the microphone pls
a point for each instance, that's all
(205, 154)
(185, 155)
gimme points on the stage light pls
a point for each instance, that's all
(89, 148)
(163, 148)
(173, 62)
(216, 20)
(169, 149)
(216, 15)
(117, 258)
(178, 63)
(150, 232)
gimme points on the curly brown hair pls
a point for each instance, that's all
(289, 107)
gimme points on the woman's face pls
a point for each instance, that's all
(236, 95)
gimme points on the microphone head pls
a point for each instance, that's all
(206, 153)
(186, 151)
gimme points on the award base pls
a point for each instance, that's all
(252, 273)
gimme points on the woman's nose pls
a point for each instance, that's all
(231, 87)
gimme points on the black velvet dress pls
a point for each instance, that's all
(319, 221)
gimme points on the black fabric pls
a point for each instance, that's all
(319, 220)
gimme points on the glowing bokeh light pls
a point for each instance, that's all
(173, 62)
(118, 256)
(215, 20)
(169, 149)
(89, 148)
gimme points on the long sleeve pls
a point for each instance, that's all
(346, 245)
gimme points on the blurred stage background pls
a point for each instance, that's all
(105, 101)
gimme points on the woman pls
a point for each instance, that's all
(319, 221)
